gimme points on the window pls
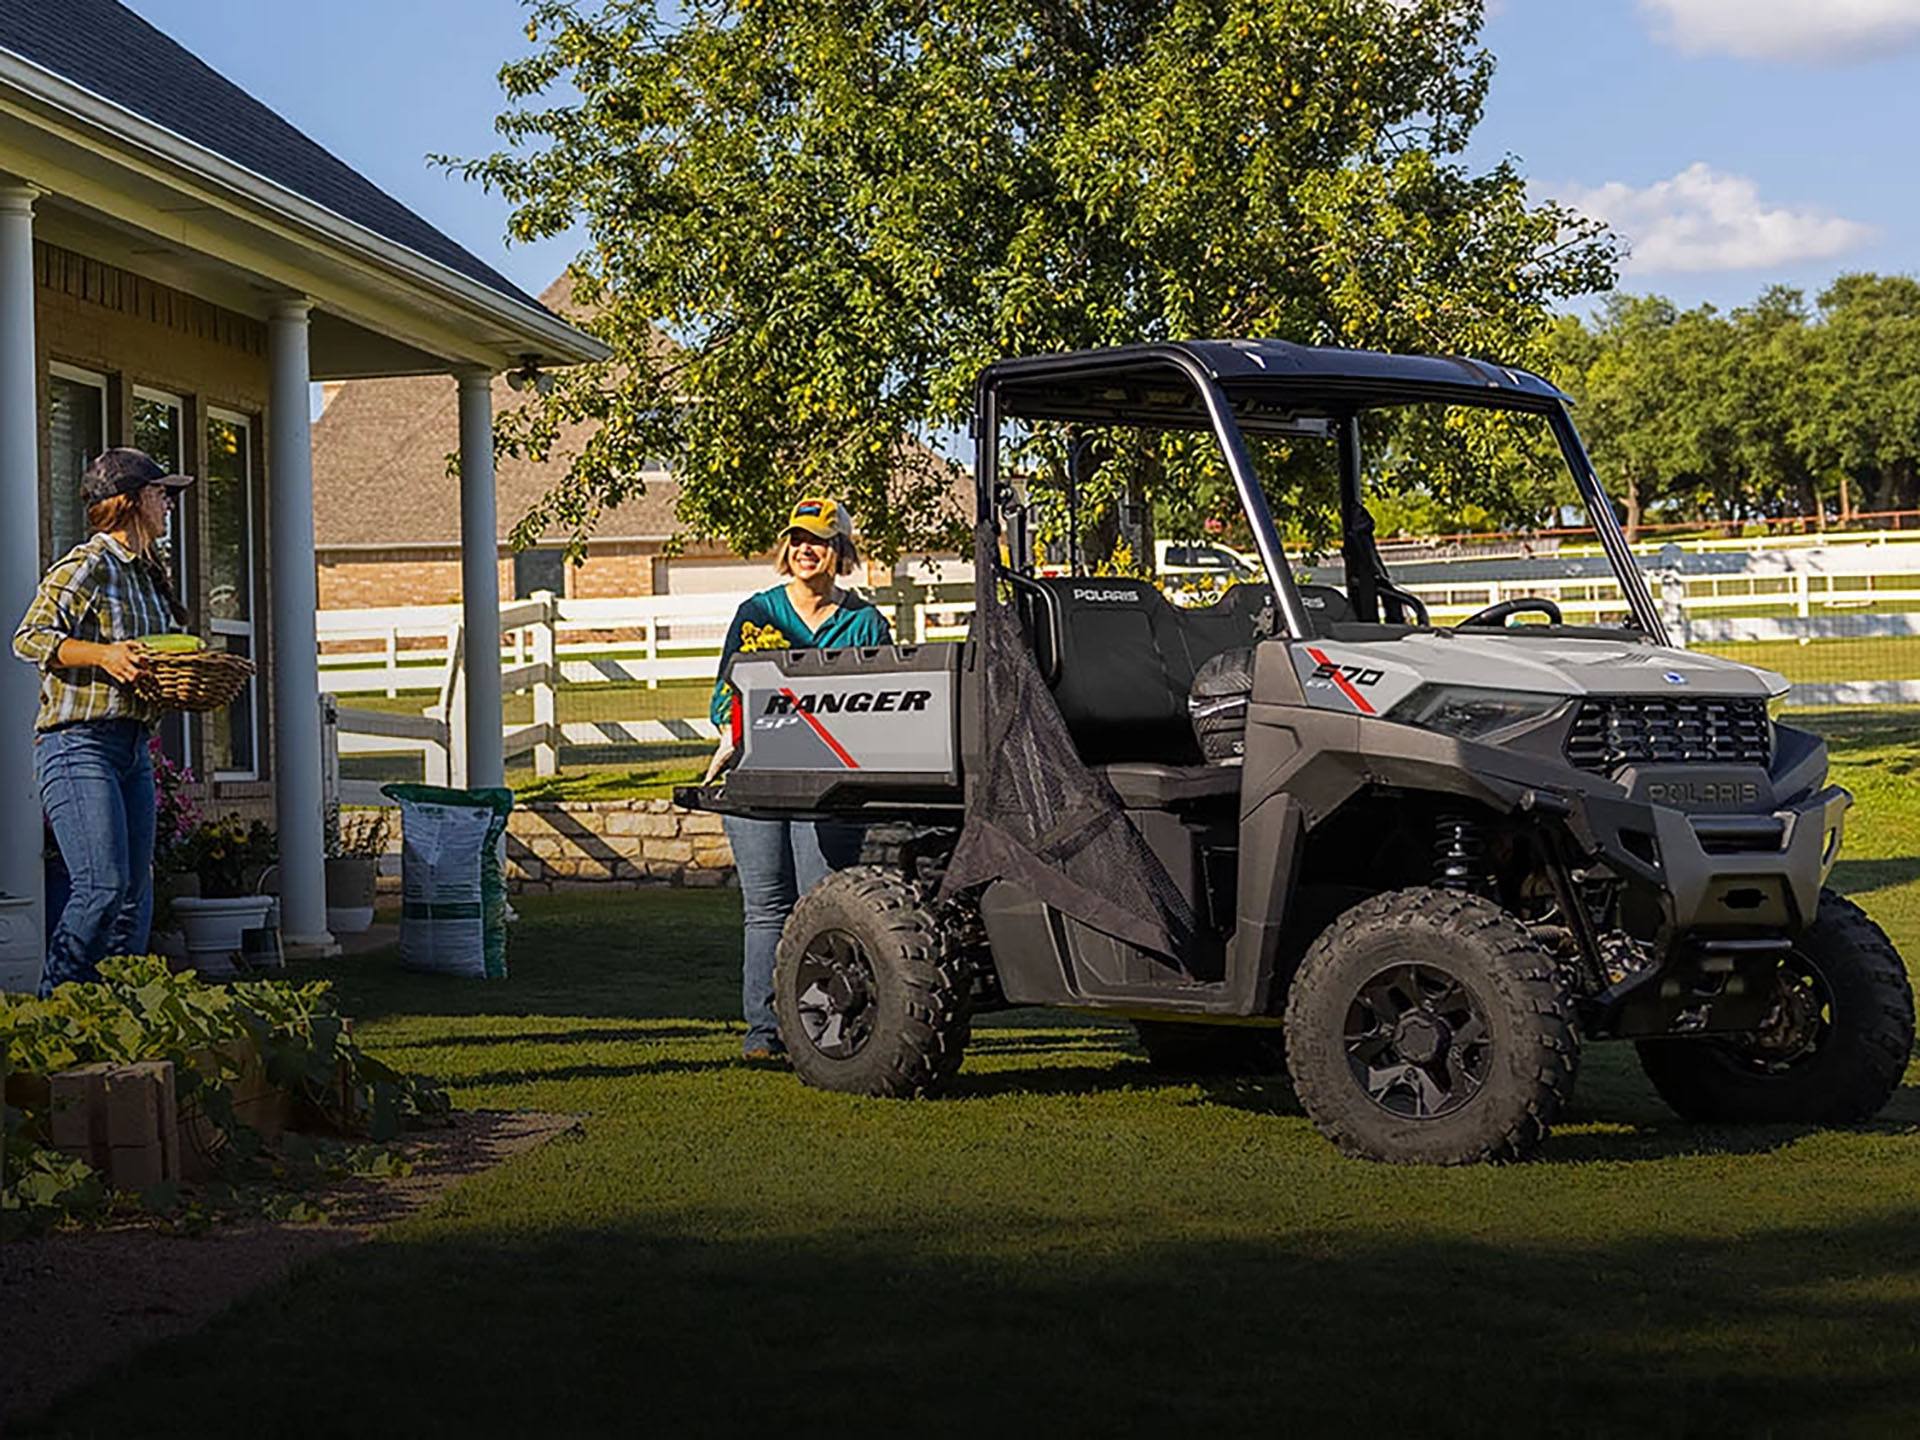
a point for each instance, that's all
(539, 570)
(159, 430)
(76, 432)
(227, 550)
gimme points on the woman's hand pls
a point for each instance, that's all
(124, 660)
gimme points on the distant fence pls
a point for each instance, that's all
(1842, 622)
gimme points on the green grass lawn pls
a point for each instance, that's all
(1069, 1244)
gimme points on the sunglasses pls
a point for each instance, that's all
(797, 538)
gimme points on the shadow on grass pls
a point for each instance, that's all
(896, 1327)
(583, 1035)
(1862, 877)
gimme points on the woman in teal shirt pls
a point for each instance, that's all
(780, 860)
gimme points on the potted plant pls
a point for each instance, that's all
(227, 854)
(355, 844)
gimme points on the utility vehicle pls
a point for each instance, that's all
(1420, 865)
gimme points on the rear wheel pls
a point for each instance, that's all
(1179, 1048)
(1832, 1049)
(867, 1000)
(1427, 1027)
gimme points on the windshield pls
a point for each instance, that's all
(1429, 513)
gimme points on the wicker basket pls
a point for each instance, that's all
(195, 680)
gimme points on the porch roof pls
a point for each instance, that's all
(156, 161)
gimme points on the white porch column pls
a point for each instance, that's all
(296, 651)
(21, 874)
(480, 581)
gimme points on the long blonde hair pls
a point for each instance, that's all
(122, 512)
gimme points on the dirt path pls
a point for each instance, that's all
(77, 1303)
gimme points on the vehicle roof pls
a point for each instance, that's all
(1271, 383)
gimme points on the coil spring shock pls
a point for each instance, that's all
(1459, 853)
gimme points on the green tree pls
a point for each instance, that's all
(840, 210)
(1861, 402)
(1648, 379)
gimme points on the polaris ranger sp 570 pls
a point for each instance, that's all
(1432, 860)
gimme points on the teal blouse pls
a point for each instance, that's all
(855, 624)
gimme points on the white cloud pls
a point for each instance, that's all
(1702, 219)
(1820, 31)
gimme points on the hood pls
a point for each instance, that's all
(1372, 676)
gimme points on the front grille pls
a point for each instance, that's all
(1648, 731)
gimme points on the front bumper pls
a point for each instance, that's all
(1718, 874)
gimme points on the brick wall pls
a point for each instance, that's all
(555, 845)
(627, 844)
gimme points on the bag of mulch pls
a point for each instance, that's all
(453, 906)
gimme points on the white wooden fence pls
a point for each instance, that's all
(1812, 593)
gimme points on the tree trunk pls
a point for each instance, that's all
(1630, 500)
(1846, 500)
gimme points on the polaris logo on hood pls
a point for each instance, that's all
(848, 702)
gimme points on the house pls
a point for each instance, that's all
(387, 513)
(177, 266)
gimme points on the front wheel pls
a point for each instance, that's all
(1427, 1027)
(867, 999)
(1831, 1050)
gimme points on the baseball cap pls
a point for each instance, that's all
(122, 471)
(819, 516)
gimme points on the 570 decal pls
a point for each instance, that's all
(1348, 679)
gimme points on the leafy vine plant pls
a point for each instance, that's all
(140, 1010)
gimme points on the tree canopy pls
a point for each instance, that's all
(1774, 410)
(812, 222)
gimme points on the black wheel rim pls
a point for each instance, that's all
(1797, 1023)
(834, 981)
(1417, 1042)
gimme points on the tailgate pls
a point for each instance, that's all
(826, 731)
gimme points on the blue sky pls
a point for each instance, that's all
(1734, 142)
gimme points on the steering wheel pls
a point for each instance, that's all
(1497, 615)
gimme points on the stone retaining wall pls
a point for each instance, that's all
(620, 844)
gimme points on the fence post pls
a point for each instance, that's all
(653, 650)
(393, 661)
(546, 754)
(1802, 597)
(453, 704)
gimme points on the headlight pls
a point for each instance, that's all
(1470, 712)
(1776, 705)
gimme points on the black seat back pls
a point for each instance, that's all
(1121, 659)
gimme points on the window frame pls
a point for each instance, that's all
(247, 629)
(102, 383)
(180, 533)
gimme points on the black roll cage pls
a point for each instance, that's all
(1236, 387)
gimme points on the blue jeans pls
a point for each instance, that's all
(96, 786)
(778, 861)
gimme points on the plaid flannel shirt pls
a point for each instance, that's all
(99, 592)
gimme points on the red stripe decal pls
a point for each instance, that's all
(1346, 685)
(821, 730)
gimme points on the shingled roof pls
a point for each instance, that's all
(380, 466)
(107, 50)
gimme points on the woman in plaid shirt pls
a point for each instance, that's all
(90, 749)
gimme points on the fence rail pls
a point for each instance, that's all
(1811, 596)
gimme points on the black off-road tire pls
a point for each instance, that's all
(1176, 1047)
(1519, 1039)
(918, 1006)
(1849, 1074)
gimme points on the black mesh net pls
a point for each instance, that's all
(1041, 818)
